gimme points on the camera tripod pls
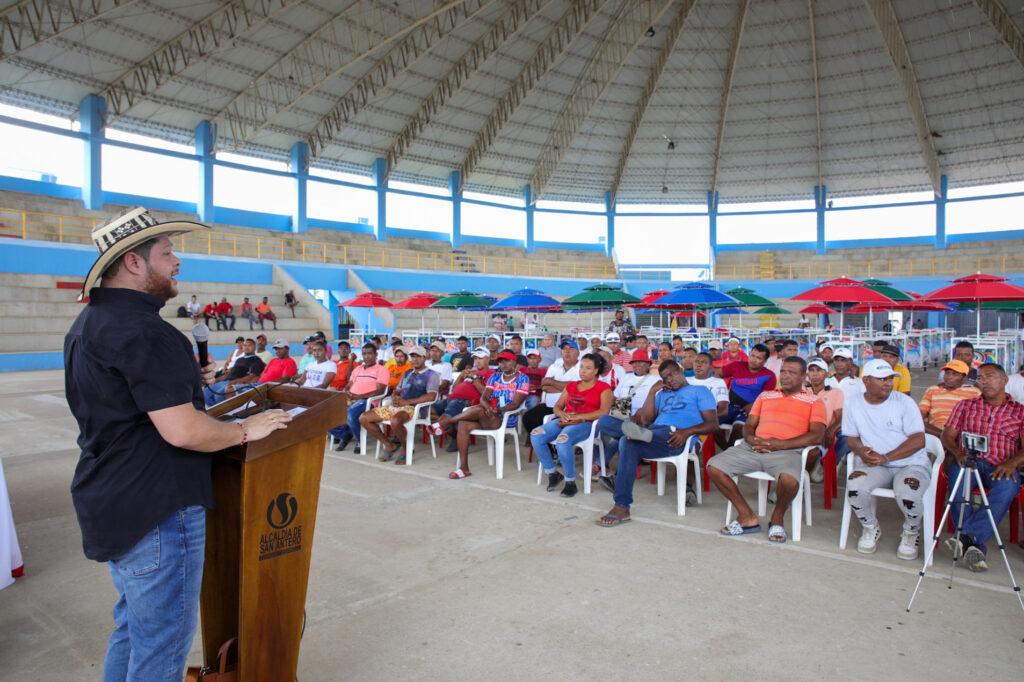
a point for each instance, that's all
(968, 474)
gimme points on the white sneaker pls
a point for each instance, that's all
(818, 473)
(908, 548)
(869, 539)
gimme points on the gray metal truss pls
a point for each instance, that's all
(30, 22)
(400, 57)
(345, 39)
(817, 90)
(562, 35)
(675, 29)
(621, 39)
(1004, 26)
(896, 46)
(515, 17)
(199, 41)
(730, 71)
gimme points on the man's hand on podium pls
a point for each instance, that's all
(263, 424)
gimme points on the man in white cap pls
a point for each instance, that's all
(846, 374)
(494, 342)
(438, 365)
(620, 358)
(884, 429)
(143, 483)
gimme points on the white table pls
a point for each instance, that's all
(10, 553)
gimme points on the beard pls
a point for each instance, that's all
(160, 285)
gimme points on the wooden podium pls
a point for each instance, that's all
(259, 539)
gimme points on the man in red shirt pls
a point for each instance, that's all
(210, 313)
(224, 311)
(746, 381)
(536, 374)
(619, 356)
(1000, 418)
(282, 367)
(780, 425)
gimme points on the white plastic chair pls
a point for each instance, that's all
(420, 418)
(587, 445)
(496, 442)
(371, 402)
(933, 446)
(681, 463)
(803, 492)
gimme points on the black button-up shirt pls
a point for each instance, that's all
(122, 360)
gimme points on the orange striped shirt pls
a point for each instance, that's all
(938, 403)
(787, 416)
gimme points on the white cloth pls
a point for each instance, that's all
(643, 384)
(713, 384)
(10, 553)
(558, 372)
(1015, 387)
(850, 386)
(884, 427)
(316, 371)
(831, 382)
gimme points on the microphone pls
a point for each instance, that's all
(201, 333)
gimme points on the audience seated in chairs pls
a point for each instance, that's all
(631, 394)
(558, 375)
(246, 370)
(279, 368)
(415, 391)
(884, 429)
(780, 424)
(504, 391)
(675, 411)
(467, 387)
(320, 372)
(938, 401)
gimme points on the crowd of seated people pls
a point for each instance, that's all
(221, 316)
(772, 403)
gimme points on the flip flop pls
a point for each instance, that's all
(777, 534)
(618, 520)
(734, 528)
(459, 473)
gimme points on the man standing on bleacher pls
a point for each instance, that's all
(143, 482)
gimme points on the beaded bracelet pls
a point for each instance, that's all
(245, 434)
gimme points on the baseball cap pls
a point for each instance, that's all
(879, 369)
(826, 346)
(319, 335)
(495, 337)
(308, 339)
(507, 355)
(481, 353)
(957, 366)
(819, 363)
(843, 353)
(612, 337)
(440, 346)
(640, 356)
(606, 349)
(417, 350)
(715, 345)
(570, 343)
(532, 351)
(890, 349)
(281, 343)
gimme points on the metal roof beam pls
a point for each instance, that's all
(347, 38)
(618, 43)
(889, 29)
(397, 60)
(515, 17)
(817, 89)
(30, 22)
(675, 29)
(562, 35)
(1004, 26)
(730, 71)
(194, 44)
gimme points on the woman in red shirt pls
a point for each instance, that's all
(580, 404)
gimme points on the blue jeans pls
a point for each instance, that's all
(1000, 496)
(566, 453)
(215, 394)
(157, 583)
(631, 454)
(531, 401)
(250, 317)
(351, 426)
(611, 427)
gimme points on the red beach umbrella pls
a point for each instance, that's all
(368, 300)
(418, 302)
(846, 291)
(975, 289)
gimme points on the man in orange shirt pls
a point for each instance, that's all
(780, 425)
(939, 401)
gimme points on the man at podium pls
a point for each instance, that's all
(143, 482)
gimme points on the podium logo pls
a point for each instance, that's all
(282, 510)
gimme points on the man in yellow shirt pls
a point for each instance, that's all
(891, 354)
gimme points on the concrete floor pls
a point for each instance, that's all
(421, 577)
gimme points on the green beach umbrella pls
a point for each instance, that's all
(462, 299)
(748, 297)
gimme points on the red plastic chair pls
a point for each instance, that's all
(1015, 512)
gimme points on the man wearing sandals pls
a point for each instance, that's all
(780, 425)
(416, 391)
(674, 413)
(505, 391)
